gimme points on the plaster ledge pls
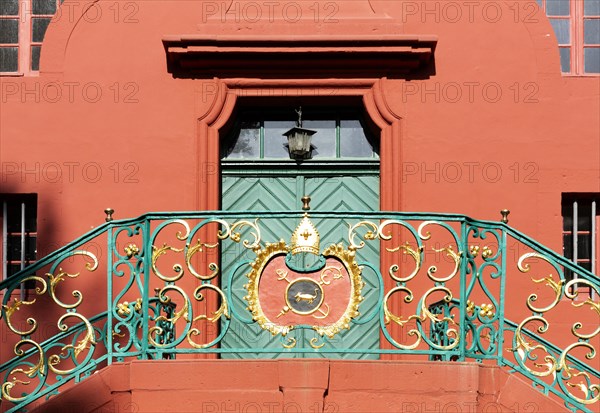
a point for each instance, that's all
(391, 56)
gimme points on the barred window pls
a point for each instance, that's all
(581, 240)
(19, 232)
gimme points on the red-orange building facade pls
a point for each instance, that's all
(471, 107)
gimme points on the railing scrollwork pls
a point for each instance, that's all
(443, 287)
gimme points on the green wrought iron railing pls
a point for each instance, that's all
(444, 287)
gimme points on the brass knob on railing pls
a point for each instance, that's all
(109, 212)
(306, 203)
(505, 213)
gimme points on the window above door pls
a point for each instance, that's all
(259, 136)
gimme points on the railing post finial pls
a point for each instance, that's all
(306, 203)
(505, 213)
(109, 212)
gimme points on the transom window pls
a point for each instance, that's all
(23, 25)
(576, 24)
(260, 137)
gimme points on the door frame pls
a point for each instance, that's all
(214, 113)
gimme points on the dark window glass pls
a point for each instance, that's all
(591, 8)
(43, 7)
(39, 29)
(275, 142)
(247, 144)
(568, 245)
(30, 248)
(562, 30)
(591, 31)
(13, 248)
(584, 246)
(558, 7)
(567, 220)
(584, 212)
(9, 7)
(13, 269)
(9, 59)
(13, 244)
(591, 59)
(9, 31)
(565, 59)
(584, 219)
(353, 141)
(13, 210)
(35, 57)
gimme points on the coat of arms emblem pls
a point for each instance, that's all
(297, 285)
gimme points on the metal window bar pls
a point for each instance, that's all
(593, 242)
(4, 240)
(575, 236)
(22, 247)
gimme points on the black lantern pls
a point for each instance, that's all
(299, 140)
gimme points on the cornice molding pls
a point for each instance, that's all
(266, 57)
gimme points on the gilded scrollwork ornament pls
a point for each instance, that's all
(34, 370)
(555, 286)
(454, 256)
(389, 316)
(305, 297)
(16, 304)
(193, 250)
(559, 367)
(552, 366)
(178, 268)
(63, 275)
(222, 311)
(415, 254)
(371, 233)
(88, 340)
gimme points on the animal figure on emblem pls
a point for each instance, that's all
(306, 297)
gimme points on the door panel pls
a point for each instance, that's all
(350, 193)
(253, 194)
(283, 193)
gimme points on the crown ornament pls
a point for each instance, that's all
(306, 237)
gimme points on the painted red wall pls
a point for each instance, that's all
(460, 154)
(104, 124)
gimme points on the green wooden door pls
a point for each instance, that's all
(349, 193)
(253, 193)
(257, 175)
(271, 191)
